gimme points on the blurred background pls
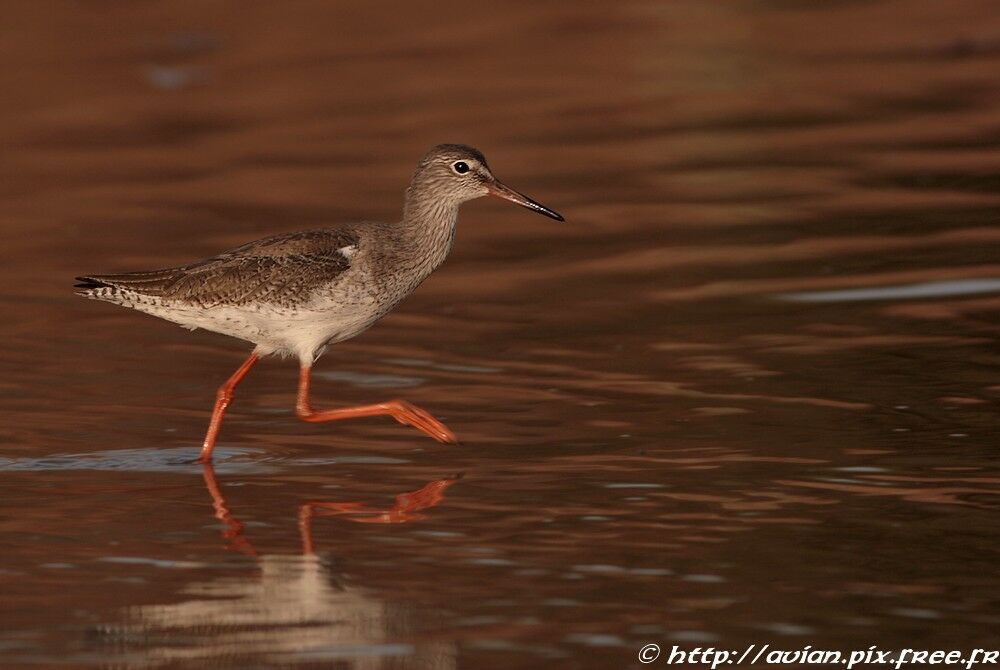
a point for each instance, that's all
(746, 393)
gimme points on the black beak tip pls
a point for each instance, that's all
(545, 211)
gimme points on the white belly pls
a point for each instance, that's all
(301, 332)
(331, 314)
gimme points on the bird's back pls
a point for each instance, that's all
(291, 293)
(283, 270)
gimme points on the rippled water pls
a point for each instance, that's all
(748, 393)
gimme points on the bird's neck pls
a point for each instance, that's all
(428, 227)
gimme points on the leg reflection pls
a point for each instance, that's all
(405, 509)
(235, 539)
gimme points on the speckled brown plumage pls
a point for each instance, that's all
(277, 270)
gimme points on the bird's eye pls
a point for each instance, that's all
(461, 167)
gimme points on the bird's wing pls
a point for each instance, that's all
(277, 270)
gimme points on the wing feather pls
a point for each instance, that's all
(276, 270)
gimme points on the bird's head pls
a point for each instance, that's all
(456, 173)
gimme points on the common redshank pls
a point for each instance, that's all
(295, 294)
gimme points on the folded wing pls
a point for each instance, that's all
(279, 270)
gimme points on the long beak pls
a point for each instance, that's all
(507, 193)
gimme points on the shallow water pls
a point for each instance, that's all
(747, 394)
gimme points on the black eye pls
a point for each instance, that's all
(461, 167)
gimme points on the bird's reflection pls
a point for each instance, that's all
(296, 608)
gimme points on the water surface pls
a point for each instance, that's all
(747, 393)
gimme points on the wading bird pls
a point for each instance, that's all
(295, 294)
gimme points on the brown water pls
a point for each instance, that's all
(747, 394)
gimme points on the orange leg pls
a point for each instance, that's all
(400, 410)
(222, 399)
